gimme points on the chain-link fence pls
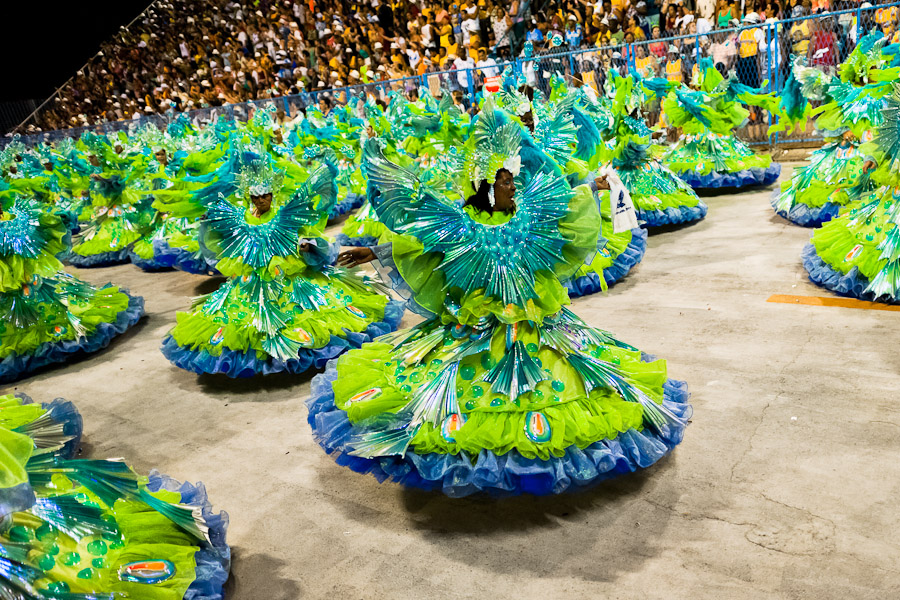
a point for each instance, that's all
(760, 55)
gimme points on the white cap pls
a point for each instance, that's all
(338, 83)
(354, 74)
(378, 46)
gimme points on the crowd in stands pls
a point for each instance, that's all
(186, 54)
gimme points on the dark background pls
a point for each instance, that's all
(42, 44)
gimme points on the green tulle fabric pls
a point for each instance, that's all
(832, 169)
(15, 450)
(37, 313)
(616, 243)
(16, 270)
(852, 239)
(710, 152)
(654, 187)
(114, 224)
(233, 326)
(493, 421)
(364, 223)
(419, 269)
(87, 563)
(52, 322)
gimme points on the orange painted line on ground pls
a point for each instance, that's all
(839, 302)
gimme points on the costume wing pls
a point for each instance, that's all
(501, 260)
(257, 244)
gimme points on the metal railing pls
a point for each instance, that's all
(757, 53)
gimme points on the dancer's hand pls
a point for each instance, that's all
(601, 183)
(355, 257)
(306, 247)
(868, 166)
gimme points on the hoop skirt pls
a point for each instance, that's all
(94, 528)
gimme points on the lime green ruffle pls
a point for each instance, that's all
(53, 324)
(91, 564)
(723, 154)
(616, 243)
(494, 422)
(233, 328)
(837, 240)
(15, 270)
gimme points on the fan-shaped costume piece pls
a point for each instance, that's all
(50, 316)
(283, 307)
(851, 107)
(707, 155)
(503, 389)
(568, 136)
(87, 528)
(858, 253)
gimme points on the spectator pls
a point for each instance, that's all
(464, 72)
(674, 66)
(725, 12)
(749, 42)
(500, 22)
(822, 43)
(186, 54)
(486, 65)
(657, 47)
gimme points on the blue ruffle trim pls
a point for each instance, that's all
(738, 179)
(590, 283)
(504, 475)
(214, 559)
(104, 259)
(21, 497)
(351, 202)
(163, 258)
(671, 216)
(246, 364)
(852, 284)
(190, 263)
(14, 366)
(365, 240)
(64, 412)
(806, 216)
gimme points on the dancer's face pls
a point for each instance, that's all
(504, 191)
(262, 203)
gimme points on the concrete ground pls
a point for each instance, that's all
(786, 485)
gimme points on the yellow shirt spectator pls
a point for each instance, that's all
(747, 43)
(674, 71)
(445, 31)
(800, 35)
(886, 15)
